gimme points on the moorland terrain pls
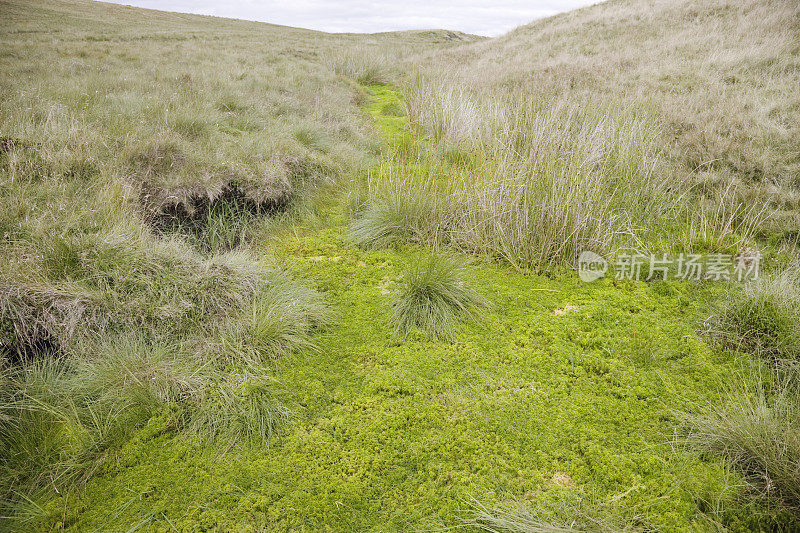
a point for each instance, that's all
(262, 278)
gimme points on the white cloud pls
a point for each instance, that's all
(364, 16)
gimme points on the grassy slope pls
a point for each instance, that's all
(397, 434)
(114, 118)
(722, 76)
(180, 105)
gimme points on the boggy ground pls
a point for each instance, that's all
(564, 391)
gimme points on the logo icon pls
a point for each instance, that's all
(591, 266)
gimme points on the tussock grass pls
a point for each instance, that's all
(454, 115)
(755, 423)
(56, 433)
(395, 212)
(720, 76)
(755, 428)
(365, 65)
(217, 225)
(139, 151)
(238, 409)
(762, 317)
(62, 418)
(114, 282)
(535, 179)
(517, 518)
(137, 372)
(531, 181)
(280, 320)
(140, 133)
(434, 295)
(721, 218)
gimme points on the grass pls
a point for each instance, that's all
(105, 159)
(755, 429)
(762, 317)
(433, 294)
(516, 518)
(394, 218)
(718, 76)
(63, 419)
(406, 433)
(364, 65)
(140, 159)
(57, 436)
(535, 180)
(220, 225)
(546, 404)
(280, 321)
(239, 409)
(134, 372)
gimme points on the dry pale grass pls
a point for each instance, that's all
(717, 80)
(723, 73)
(530, 179)
(755, 428)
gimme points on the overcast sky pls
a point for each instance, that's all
(472, 16)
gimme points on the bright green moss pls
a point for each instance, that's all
(561, 380)
(386, 105)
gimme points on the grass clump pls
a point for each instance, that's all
(134, 371)
(755, 424)
(239, 408)
(280, 320)
(737, 124)
(434, 295)
(517, 518)
(62, 418)
(762, 318)
(393, 216)
(219, 225)
(365, 65)
(532, 181)
(96, 284)
(756, 428)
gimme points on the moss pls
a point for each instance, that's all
(392, 126)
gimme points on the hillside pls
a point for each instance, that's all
(260, 278)
(120, 124)
(721, 76)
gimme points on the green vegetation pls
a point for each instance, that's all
(755, 424)
(233, 292)
(390, 434)
(515, 518)
(762, 318)
(433, 295)
(141, 153)
(755, 429)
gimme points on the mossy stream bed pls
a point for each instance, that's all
(564, 391)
